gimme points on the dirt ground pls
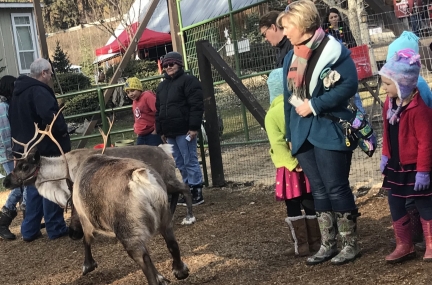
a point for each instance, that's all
(240, 238)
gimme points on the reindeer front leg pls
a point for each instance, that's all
(75, 228)
(189, 219)
(174, 200)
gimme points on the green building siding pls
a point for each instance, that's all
(7, 44)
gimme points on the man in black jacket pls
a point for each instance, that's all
(179, 112)
(274, 35)
(33, 101)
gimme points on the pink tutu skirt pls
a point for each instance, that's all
(290, 185)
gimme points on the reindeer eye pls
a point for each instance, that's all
(25, 167)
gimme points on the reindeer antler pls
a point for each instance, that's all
(47, 131)
(105, 136)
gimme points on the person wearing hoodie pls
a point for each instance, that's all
(292, 185)
(9, 210)
(319, 78)
(33, 101)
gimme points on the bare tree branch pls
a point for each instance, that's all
(332, 3)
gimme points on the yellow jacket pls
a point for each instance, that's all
(275, 127)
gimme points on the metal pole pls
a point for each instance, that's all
(180, 20)
(203, 158)
(237, 67)
(103, 115)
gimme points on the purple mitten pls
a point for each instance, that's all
(422, 181)
(383, 162)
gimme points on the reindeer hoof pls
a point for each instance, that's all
(89, 267)
(182, 273)
(75, 234)
(188, 220)
(162, 280)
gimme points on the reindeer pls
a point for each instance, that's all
(119, 197)
(132, 204)
(47, 174)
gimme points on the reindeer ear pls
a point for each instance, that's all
(36, 156)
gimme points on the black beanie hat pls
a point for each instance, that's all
(173, 57)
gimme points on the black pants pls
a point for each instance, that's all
(399, 210)
(294, 206)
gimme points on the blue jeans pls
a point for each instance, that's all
(38, 207)
(150, 139)
(358, 102)
(15, 195)
(328, 172)
(186, 159)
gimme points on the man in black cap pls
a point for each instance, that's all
(179, 112)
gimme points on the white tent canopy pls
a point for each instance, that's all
(192, 12)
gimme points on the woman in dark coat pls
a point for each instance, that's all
(334, 26)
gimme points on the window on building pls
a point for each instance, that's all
(25, 40)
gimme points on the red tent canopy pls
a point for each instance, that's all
(148, 39)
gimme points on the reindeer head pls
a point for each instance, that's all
(27, 167)
(25, 171)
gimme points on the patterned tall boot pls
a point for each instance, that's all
(299, 234)
(404, 247)
(347, 227)
(314, 234)
(427, 231)
(328, 248)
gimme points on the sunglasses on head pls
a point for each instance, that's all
(168, 64)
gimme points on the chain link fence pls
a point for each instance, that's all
(245, 149)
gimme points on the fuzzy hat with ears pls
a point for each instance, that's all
(403, 69)
(405, 40)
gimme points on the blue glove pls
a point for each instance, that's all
(422, 181)
(383, 162)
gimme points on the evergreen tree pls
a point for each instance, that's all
(61, 61)
(87, 66)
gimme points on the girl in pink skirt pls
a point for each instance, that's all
(292, 185)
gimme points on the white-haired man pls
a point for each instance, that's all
(33, 101)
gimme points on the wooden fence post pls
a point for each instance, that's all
(212, 124)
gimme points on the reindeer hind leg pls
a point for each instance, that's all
(89, 263)
(139, 253)
(180, 269)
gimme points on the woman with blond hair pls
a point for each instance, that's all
(319, 79)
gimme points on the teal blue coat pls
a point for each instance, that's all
(318, 130)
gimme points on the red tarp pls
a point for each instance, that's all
(148, 39)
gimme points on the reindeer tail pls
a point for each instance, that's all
(144, 179)
(167, 148)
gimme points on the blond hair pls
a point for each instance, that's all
(303, 14)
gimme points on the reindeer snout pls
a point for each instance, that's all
(10, 183)
(7, 182)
